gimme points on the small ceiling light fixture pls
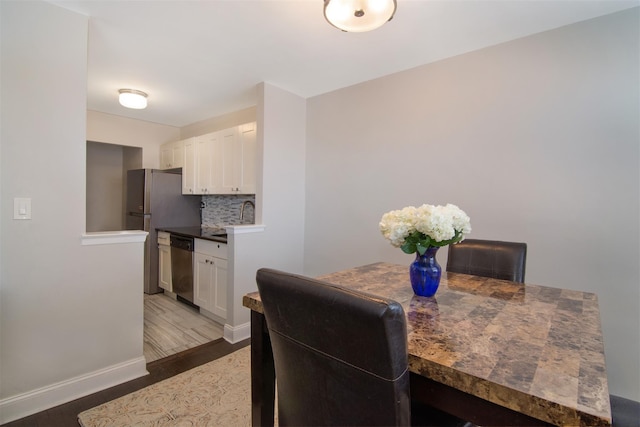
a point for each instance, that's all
(359, 15)
(131, 98)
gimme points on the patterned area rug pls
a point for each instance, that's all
(215, 394)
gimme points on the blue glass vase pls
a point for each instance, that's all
(425, 273)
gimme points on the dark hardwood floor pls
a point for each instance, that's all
(66, 415)
(626, 413)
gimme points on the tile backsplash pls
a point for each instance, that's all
(221, 209)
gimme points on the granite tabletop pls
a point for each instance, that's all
(534, 349)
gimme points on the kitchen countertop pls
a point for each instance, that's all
(206, 233)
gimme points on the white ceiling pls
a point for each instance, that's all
(198, 59)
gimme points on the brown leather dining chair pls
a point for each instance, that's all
(489, 258)
(340, 356)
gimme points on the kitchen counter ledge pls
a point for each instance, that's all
(215, 234)
(205, 233)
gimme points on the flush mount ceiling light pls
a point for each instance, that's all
(131, 98)
(358, 15)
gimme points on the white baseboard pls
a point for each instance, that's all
(234, 334)
(25, 404)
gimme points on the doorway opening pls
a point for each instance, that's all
(107, 166)
(169, 326)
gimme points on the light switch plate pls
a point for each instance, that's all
(22, 208)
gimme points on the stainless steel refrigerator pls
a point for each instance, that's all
(154, 199)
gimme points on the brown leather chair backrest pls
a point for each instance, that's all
(340, 356)
(489, 258)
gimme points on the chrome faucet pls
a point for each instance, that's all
(245, 203)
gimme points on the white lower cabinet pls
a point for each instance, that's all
(164, 261)
(210, 277)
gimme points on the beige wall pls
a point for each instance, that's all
(112, 129)
(536, 139)
(218, 123)
(279, 198)
(70, 323)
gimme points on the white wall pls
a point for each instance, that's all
(536, 139)
(224, 121)
(112, 129)
(280, 196)
(69, 321)
(281, 146)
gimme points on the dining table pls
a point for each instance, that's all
(489, 351)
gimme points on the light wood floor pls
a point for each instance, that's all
(171, 327)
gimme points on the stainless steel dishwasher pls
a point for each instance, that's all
(182, 266)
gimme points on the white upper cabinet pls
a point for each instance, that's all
(222, 162)
(245, 159)
(172, 155)
(225, 167)
(166, 156)
(189, 167)
(205, 160)
(236, 166)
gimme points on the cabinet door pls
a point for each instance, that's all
(205, 162)
(203, 281)
(223, 164)
(177, 152)
(189, 166)
(235, 164)
(245, 159)
(219, 290)
(164, 267)
(172, 155)
(166, 156)
(210, 284)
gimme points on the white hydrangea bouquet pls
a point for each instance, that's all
(417, 229)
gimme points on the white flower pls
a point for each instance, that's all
(395, 226)
(416, 229)
(461, 220)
